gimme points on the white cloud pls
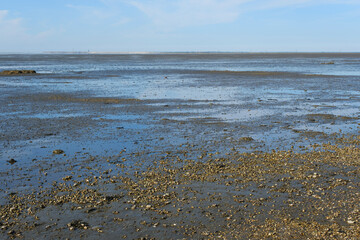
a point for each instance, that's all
(3, 13)
(9, 26)
(91, 12)
(270, 4)
(16, 36)
(182, 13)
(263, 4)
(97, 15)
(121, 21)
(175, 14)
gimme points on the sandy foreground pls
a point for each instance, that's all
(191, 190)
(257, 195)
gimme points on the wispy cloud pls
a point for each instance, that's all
(91, 12)
(9, 26)
(182, 13)
(121, 21)
(96, 14)
(271, 4)
(16, 34)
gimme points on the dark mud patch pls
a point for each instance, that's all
(246, 139)
(252, 73)
(158, 104)
(71, 98)
(73, 77)
(315, 117)
(322, 116)
(311, 134)
(328, 63)
(57, 82)
(207, 121)
(268, 74)
(37, 128)
(324, 106)
(112, 76)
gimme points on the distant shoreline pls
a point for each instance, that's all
(162, 53)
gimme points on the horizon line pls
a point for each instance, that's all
(177, 52)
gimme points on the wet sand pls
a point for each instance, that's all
(277, 163)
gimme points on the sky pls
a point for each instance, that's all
(180, 25)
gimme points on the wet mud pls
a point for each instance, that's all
(130, 154)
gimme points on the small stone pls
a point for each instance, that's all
(12, 161)
(58, 151)
(246, 139)
(67, 178)
(205, 233)
(91, 210)
(78, 224)
(97, 228)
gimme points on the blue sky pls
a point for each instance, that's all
(180, 25)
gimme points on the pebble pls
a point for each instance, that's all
(12, 161)
(58, 151)
(98, 228)
(67, 178)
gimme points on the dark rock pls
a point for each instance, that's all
(58, 151)
(49, 134)
(17, 72)
(246, 139)
(12, 161)
(78, 224)
(111, 198)
(67, 178)
(91, 210)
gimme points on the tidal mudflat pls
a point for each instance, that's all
(180, 146)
